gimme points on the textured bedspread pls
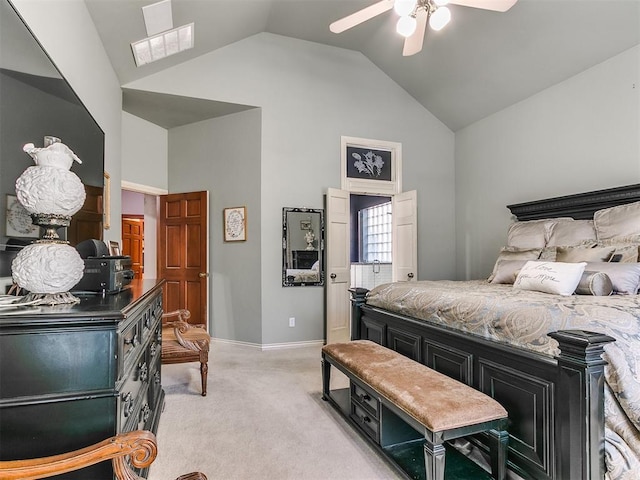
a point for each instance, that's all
(523, 319)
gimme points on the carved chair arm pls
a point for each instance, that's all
(198, 342)
(183, 315)
(139, 446)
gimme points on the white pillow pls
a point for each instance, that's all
(550, 277)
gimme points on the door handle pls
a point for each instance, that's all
(203, 274)
(333, 276)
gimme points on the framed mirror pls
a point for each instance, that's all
(36, 101)
(302, 247)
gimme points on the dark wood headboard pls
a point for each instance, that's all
(580, 206)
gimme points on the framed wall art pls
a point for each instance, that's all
(370, 166)
(235, 224)
(19, 222)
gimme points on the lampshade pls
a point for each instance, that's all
(404, 7)
(406, 26)
(440, 18)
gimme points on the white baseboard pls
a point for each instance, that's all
(271, 346)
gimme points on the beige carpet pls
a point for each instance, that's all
(263, 418)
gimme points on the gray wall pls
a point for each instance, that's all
(577, 136)
(310, 95)
(222, 155)
(144, 152)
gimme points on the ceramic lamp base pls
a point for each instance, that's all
(47, 268)
(49, 299)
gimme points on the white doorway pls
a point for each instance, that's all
(371, 229)
(404, 262)
(145, 205)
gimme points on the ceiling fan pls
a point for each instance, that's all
(414, 16)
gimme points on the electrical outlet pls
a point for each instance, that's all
(292, 321)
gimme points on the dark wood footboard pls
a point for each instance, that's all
(555, 405)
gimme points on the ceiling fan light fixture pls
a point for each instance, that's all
(440, 18)
(406, 26)
(404, 7)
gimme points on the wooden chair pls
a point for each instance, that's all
(184, 343)
(138, 447)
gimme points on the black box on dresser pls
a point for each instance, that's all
(71, 376)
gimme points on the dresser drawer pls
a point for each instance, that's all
(133, 392)
(131, 346)
(365, 398)
(368, 423)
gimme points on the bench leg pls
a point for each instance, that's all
(498, 442)
(326, 377)
(434, 456)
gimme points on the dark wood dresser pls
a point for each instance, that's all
(71, 376)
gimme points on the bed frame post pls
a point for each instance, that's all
(579, 409)
(358, 296)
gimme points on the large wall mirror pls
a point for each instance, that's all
(302, 247)
(36, 101)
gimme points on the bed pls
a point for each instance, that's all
(566, 367)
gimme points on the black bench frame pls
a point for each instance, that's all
(389, 429)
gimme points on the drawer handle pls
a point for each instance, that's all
(156, 377)
(132, 341)
(365, 398)
(153, 348)
(143, 371)
(366, 419)
(145, 413)
(128, 404)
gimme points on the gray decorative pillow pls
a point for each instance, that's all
(532, 233)
(594, 283)
(506, 271)
(587, 253)
(571, 233)
(625, 277)
(627, 247)
(619, 221)
(513, 253)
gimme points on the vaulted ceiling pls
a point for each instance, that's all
(480, 63)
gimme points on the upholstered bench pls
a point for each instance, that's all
(436, 406)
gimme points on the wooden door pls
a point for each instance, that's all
(338, 267)
(182, 253)
(405, 236)
(133, 242)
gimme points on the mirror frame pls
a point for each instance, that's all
(286, 280)
(30, 69)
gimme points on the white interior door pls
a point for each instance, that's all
(338, 266)
(405, 237)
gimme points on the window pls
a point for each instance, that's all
(375, 225)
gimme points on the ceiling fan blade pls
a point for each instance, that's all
(413, 43)
(495, 5)
(361, 16)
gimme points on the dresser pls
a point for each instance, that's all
(74, 375)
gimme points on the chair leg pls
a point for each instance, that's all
(204, 369)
